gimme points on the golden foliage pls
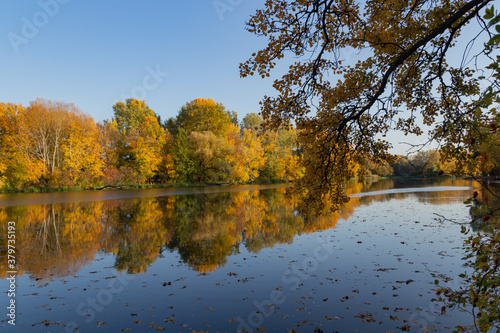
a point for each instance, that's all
(355, 69)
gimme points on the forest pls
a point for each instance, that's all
(54, 145)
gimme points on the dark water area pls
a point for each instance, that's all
(236, 258)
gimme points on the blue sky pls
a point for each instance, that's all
(95, 53)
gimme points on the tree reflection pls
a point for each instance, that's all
(205, 229)
(483, 218)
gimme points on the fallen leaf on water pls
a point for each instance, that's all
(366, 317)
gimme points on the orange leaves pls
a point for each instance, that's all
(45, 139)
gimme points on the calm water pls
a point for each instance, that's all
(225, 259)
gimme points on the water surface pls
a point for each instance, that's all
(223, 259)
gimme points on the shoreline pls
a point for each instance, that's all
(32, 189)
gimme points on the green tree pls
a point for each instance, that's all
(183, 164)
(251, 121)
(131, 114)
(208, 154)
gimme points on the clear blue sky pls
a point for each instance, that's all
(95, 53)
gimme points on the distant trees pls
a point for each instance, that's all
(424, 164)
(252, 121)
(209, 146)
(54, 144)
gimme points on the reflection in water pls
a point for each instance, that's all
(203, 228)
(486, 202)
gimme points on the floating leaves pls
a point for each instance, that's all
(366, 317)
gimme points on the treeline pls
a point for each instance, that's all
(54, 144)
(483, 159)
(422, 164)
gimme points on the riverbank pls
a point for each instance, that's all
(124, 187)
(185, 184)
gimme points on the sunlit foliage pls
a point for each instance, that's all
(203, 115)
(141, 139)
(17, 166)
(358, 71)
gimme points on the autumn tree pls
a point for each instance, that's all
(376, 167)
(251, 121)
(109, 139)
(363, 70)
(166, 168)
(208, 152)
(141, 138)
(45, 126)
(49, 143)
(485, 148)
(82, 153)
(203, 115)
(280, 151)
(246, 155)
(17, 166)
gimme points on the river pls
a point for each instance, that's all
(229, 258)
